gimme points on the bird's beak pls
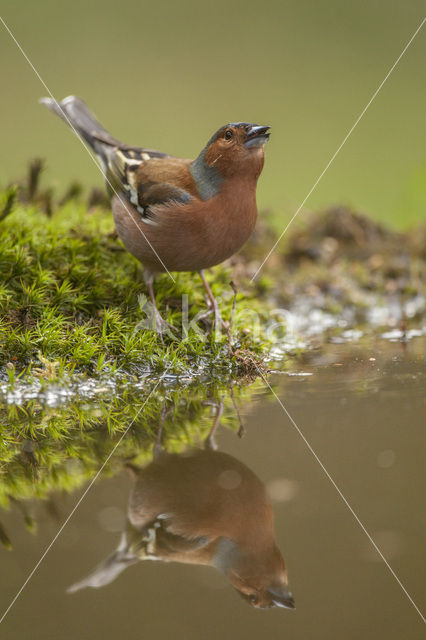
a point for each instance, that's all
(282, 598)
(256, 136)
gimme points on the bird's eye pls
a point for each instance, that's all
(253, 598)
(228, 135)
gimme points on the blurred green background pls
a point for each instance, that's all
(168, 74)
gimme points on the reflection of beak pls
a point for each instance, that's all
(256, 136)
(282, 598)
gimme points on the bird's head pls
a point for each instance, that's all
(237, 149)
(260, 578)
(264, 596)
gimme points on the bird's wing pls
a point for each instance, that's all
(156, 540)
(148, 178)
(128, 170)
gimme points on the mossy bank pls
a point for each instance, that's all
(72, 300)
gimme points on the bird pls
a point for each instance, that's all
(204, 507)
(176, 214)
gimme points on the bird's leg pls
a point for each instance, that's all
(241, 430)
(217, 317)
(158, 445)
(231, 320)
(209, 442)
(160, 323)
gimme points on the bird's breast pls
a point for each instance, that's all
(227, 222)
(192, 236)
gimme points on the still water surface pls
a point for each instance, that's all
(363, 411)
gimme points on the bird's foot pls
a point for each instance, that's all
(218, 321)
(214, 307)
(162, 327)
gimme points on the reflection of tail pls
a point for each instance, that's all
(108, 570)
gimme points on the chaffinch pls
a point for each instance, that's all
(206, 508)
(171, 213)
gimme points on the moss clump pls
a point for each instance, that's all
(343, 263)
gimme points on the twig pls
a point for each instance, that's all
(34, 171)
(10, 201)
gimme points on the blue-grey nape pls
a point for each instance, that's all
(207, 179)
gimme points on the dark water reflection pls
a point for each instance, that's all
(363, 411)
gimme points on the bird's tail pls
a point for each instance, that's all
(79, 117)
(108, 570)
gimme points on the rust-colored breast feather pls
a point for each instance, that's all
(189, 236)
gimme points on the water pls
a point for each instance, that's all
(361, 406)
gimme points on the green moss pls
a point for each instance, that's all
(45, 449)
(70, 293)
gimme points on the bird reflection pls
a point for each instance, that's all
(204, 507)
